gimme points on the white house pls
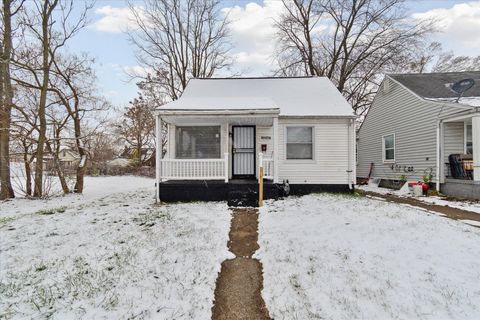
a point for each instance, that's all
(220, 131)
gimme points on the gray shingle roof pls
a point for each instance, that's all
(437, 85)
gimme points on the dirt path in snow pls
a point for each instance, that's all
(449, 212)
(239, 285)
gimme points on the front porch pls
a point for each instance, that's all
(458, 156)
(210, 155)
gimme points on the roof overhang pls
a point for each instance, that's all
(461, 116)
(210, 112)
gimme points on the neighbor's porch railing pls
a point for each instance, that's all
(195, 169)
(267, 166)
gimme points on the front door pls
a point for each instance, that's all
(243, 151)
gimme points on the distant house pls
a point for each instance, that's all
(68, 157)
(416, 127)
(220, 131)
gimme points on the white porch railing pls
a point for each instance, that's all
(195, 169)
(267, 166)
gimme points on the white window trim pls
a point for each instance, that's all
(213, 124)
(465, 125)
(384, 154)
(286, 142)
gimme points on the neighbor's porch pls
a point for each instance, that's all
(212, 147)
(458, 159)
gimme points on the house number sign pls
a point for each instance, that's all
(265, 137)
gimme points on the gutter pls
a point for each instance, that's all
(183, 112)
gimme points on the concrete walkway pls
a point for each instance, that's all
(239, 285)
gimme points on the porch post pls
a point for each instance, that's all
(158, 155)
(276, 146)
(226, 166)
(439, 157)
(476, 146)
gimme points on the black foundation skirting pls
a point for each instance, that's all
(304, 189)
(236, 192)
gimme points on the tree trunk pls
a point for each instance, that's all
(83, 156)
(58, 169)
(38, 190)
(28, 173)
(6, 93)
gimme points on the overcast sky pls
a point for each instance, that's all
(252, 35)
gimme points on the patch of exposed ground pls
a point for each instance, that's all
(240, 282)
(449, 212)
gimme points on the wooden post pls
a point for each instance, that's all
(260, 188)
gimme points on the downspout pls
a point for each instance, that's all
(439, 154)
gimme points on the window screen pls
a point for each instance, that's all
(299, 143)
(197, 142)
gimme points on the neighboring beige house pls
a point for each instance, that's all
(416, 127)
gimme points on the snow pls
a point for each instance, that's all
(345, 257)
(119, 162)
(308, 96)
(463, 205)
(82, 161)
(94, 188)
(468, 101)
(111, 254)
(471, 222)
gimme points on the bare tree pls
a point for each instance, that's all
(24, 131)
(102, 146)
(51, 24)
(180, 39)
(137, 127)
(58, 121)
(6, 94)
(432, 58)
(75, 89)
(350, 41)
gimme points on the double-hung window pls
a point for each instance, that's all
(197, 142)
(300, 143)
(388, 147)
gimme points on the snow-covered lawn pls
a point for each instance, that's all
(345, 257)
(95, 188)
(110, 254)
(463, 205)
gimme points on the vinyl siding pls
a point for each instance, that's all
(413, 121)
(331, 139)
(331, 154)
(454, 137)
